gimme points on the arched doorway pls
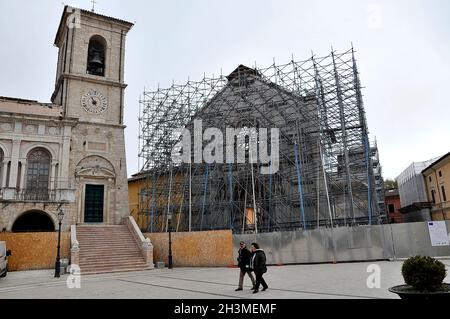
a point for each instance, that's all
(33, 221)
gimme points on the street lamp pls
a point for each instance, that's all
(170, 242)
(58, 262)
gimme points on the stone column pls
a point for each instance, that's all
(4, 172)
(52, 176)
(23, 173)
(14, 164)
(65, 157)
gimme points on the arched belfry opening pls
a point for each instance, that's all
(96, 56)
(33, 221)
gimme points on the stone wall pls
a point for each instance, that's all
(35, 250)
(194, 249)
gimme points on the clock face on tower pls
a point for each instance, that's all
(94, 102)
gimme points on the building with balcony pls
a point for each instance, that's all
(69, 153)
(437, 181)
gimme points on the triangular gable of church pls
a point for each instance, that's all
(249, 97)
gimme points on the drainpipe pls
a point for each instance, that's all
(438, 191)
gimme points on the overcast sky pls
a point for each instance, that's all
(403, 55)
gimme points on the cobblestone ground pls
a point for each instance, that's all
(347, 280)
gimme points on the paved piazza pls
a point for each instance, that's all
(320, 281)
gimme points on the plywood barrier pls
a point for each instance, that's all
(194, 249)
(35, 250)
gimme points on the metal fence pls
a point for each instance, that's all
(345, 244)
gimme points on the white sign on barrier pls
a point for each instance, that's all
(438, 233)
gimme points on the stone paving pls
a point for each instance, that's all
(319, 281)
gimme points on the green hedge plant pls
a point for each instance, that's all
(423, 273)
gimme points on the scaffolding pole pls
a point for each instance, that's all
(324, 174)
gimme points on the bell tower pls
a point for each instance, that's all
(90, 89)
(89, 77)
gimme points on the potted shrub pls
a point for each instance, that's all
(424, 277)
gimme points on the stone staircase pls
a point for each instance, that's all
(109, 248)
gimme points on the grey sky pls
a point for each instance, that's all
(403, 53)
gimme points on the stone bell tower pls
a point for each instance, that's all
(90, 88)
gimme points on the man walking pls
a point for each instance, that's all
(244, 265)
(258, 264)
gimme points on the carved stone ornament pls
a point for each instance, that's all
(95, 166)
(5, 127)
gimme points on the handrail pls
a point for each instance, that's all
(144, 243)
(441, 205)
(73, 237)
(74, 246)
(135, 229)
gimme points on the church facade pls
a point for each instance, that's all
(69, 154)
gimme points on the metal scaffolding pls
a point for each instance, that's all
(326, 173)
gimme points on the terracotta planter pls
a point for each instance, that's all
(407, 292)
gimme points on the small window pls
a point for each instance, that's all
(429, 178)
(391, 208)
(440, 173)
(444, 196)
(433, 199)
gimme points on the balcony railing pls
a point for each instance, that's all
(440, 206)
(35, 195)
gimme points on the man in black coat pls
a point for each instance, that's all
(244, 265)
(258, 264)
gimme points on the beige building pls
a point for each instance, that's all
(437, 181)
(69, 154)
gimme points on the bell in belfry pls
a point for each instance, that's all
(96, 63)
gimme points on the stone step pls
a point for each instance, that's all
(98, 252)
(108, 242)
(104, 238)
(121, 249)
(89, 232)
(111, 228)
(130, 246)
(112, 261)
(91, 271)
(109, 253)
(98, 263)
(108, 248)
(113, 265)
(104, 234)
(111, 268)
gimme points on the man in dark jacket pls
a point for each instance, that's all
(244, 265)
(258, 264)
